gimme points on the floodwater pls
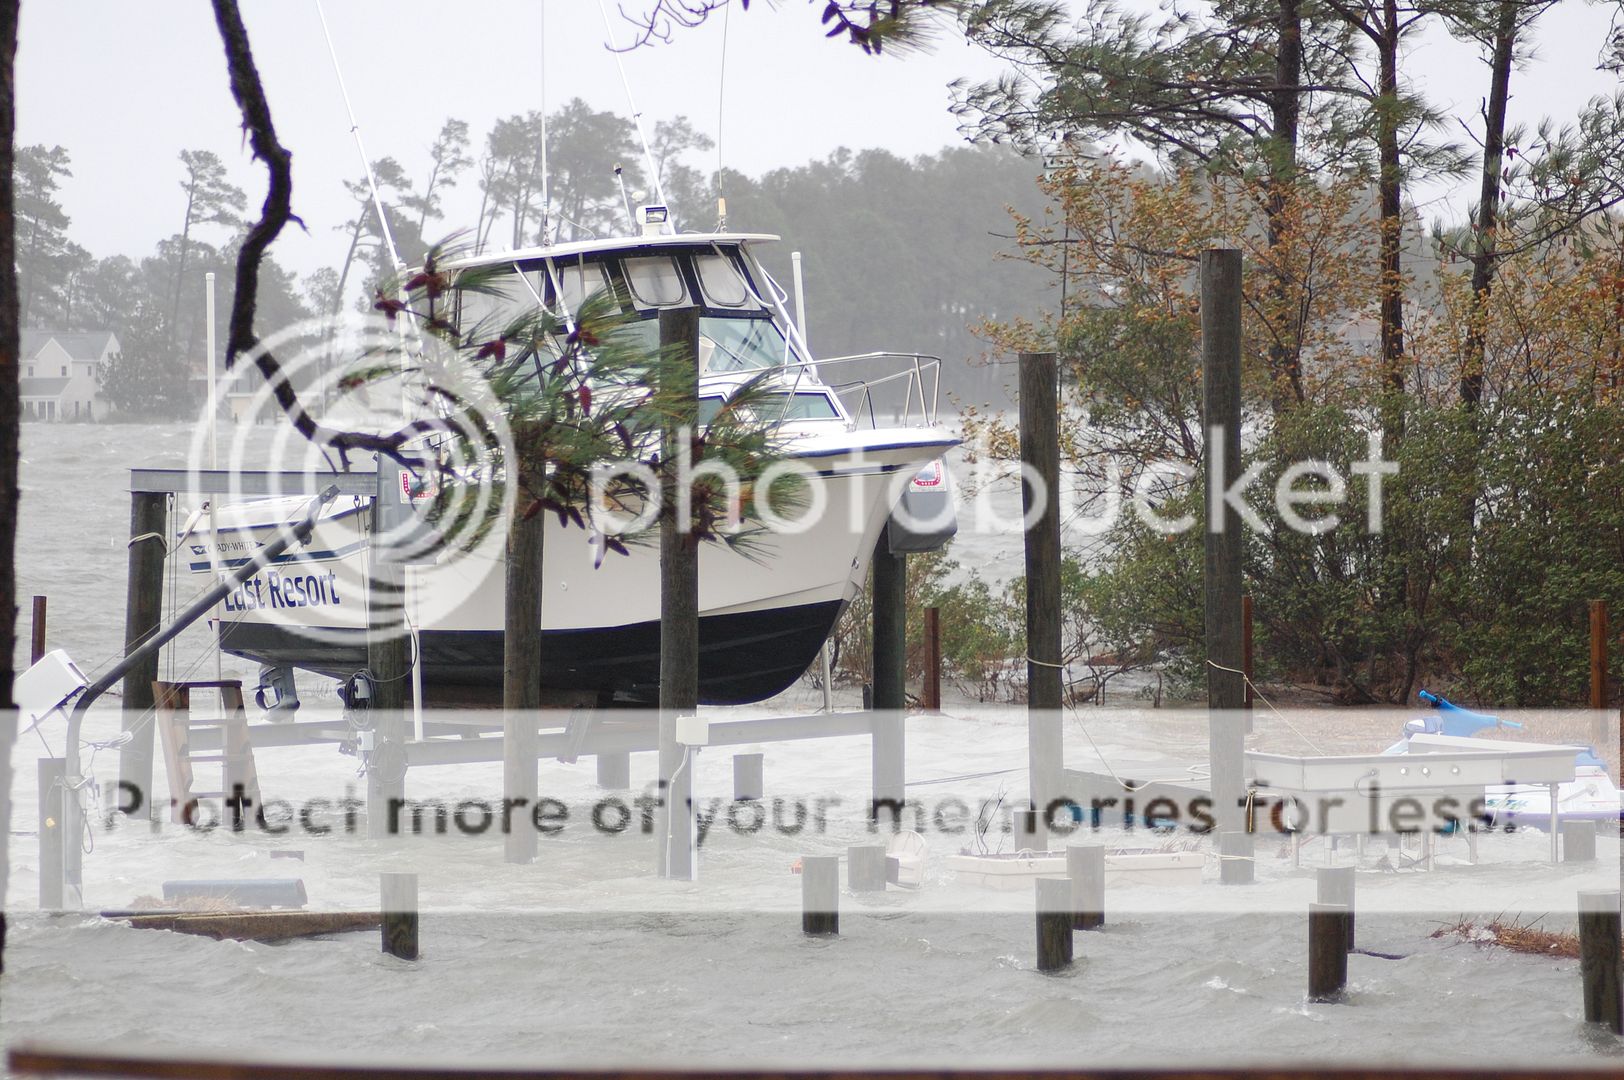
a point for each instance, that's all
(585, 958)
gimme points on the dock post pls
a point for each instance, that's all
(1578, 841)
(615, 771)
(1226, 682)
(1327, 951)
(1085, 866)
(1235, 858)
(748, 781)
(679, 599)
(820, 894)
(1249, 699)
(389, 658)
(1599, 957)
(865, 868)
(1040, 497)
(1598, 668)
(1027, 830)
(1334, 885)
(890, 633)
(931, 693)
(143, 610)
(36, 631)
(521, 661)
(398, 904)
(52, 771)
(1054, 922)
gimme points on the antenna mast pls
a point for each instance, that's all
(546, 200)
(637, 117)
(355, 129)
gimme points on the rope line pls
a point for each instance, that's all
(1267, 703)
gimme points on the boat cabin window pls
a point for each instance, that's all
(654, 281)
(721, 281)
(800, 405)
(578, 282)
(742, 344)
(500, 299)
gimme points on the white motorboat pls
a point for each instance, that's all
(764, 614)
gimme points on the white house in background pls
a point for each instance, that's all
(59, 373)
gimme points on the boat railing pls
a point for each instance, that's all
(918, 377)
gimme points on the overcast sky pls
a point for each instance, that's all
(125, 86)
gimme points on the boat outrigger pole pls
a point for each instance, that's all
(72, 828)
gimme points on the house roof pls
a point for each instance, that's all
(78, 344)
(49, 388)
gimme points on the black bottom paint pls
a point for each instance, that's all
(743, 657)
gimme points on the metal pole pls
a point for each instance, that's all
(1040, 497)
(1226, 687)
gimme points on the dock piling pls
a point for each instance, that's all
(1226, 681)
(1327, 951)
(890, 644)
(820, 894)
(1578, 841)
(931, 693)
(1085, 866)
(36, 631)
(143, 610)
(1335, 885)
(1599, 957)
(1054, 923)
(615, 771)
(865, 868)
(1040, 494)
(748, 782)
(51, 773)
(397, 900)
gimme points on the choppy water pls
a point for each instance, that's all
(585, 958)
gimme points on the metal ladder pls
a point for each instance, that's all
(172, 714)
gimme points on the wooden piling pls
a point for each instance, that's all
(36, 631)
(679, 593)
(1248, 701)
(1578, 841)
(615, 771)
(143, 610)
(1040, 463)
(890, 644)
(820, 894)
(1085, 866)
(51, 832)
(521, 660)
(1598, 668)
(1327, 951)
(1334, 885)
(1054, 922)
(931, 693)
(748, 781)
(1235, 858)
(865, 868)
(1599, 957)
(1226, 683)
(389, 658)
(398, 902)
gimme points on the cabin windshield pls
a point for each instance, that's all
(730, 343)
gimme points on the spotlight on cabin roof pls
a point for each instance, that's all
(652, 219)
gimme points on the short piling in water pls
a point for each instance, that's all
(820, 894)
(398, 902)
(1578, 841)
(1599, 958)
(51, 774)
(36, 631)
(1327, 951)
(1335, 886)
(1085, 866)
(615, 771)
(865, 868)
(748, 781)
(1054, 922)
(1023, 826)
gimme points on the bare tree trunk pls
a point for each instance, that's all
(1285, 105)
(9, 421)
(1485, 247)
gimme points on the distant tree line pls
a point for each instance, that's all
(900, 254)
